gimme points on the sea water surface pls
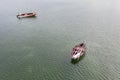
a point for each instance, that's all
(39, 48)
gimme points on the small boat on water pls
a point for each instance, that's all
(25, 15)
(78, 51)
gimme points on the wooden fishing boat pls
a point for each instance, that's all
(25, 15)
(78, 51)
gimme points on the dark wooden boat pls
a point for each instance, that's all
(78, 51)
(23, 15)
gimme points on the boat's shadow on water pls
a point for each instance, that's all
(77, 61)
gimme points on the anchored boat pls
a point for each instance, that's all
(78, 51)
(23, 15)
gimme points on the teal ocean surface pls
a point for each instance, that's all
(39, 48)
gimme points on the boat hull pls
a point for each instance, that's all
(78, 51)
(25, 15)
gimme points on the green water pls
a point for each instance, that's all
(39, 48)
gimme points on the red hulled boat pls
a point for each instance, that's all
(23, 15)
(78, 51)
